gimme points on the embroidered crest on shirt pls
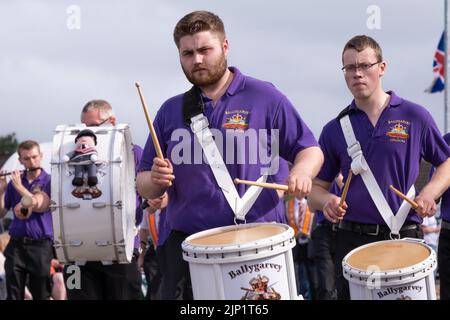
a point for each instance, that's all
(399, 130)
(237, 120)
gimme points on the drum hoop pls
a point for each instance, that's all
(61, 209)
(421, 267)
(111, 194)
(267, 242)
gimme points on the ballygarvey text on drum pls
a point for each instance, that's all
(254, 268)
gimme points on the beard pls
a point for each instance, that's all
(209, 74)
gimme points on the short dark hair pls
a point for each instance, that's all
(28, 145)
(198, 21)
(361, 42)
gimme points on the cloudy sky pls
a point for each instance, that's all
(49, 68)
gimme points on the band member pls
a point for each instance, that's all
(382, 138)
(444, 243)
(29, 251)
(115, 281)
(236, 108)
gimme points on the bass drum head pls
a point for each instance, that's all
(100, 228)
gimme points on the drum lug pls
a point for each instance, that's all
(99, 205)
(104, 243)
(71, 205)
(117, 160)
(72, 243)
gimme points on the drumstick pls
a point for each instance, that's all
(262, 184)
(347, 184)
(150, 124)
(401, 195)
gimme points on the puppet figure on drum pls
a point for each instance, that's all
(83, 159)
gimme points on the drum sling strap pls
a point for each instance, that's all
(193, 116)
(360, 166)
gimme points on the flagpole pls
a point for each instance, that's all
(445, 68)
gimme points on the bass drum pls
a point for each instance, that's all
(100, 227)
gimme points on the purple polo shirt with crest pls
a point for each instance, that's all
(248, 107)
(445, 202)
(404, 133)
(38, 225)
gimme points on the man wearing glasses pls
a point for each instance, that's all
(116, 281)
(382, 138)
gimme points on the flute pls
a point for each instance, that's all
(21, 171)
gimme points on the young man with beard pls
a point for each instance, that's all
(381, 137)
(237, 108)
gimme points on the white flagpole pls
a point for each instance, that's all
(445, 67)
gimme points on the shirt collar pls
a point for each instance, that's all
(238, 82)
(395, 101)
(41, 178)
(236, 85)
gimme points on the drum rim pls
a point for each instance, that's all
(422, 268)
(260, 243)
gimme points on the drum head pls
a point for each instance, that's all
(388, 255)
(236, 235)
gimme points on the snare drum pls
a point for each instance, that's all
(391, 270)
(100, 228)
(247, 262)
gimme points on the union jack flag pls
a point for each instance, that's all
(438, 68)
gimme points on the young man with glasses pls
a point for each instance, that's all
(116, 281)
(382, 138)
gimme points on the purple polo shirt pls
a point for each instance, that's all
(38, 225)
(137, 150)
(404, 134)
(196, 202)
(445, 202)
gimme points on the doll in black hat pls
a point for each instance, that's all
(83, 158)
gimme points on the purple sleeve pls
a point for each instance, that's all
(8, 196)
(149, 152)
(137, 150)
(433, 169)
(48, 187)
(331, 165)
(294, 134)
(434, 148)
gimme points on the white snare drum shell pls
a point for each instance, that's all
(242, 266)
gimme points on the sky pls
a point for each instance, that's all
(57, 55)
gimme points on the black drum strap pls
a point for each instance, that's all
(192, 104)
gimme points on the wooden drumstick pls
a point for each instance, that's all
(262, 184)
(401, 195)
(150, 124)
(344, 192)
